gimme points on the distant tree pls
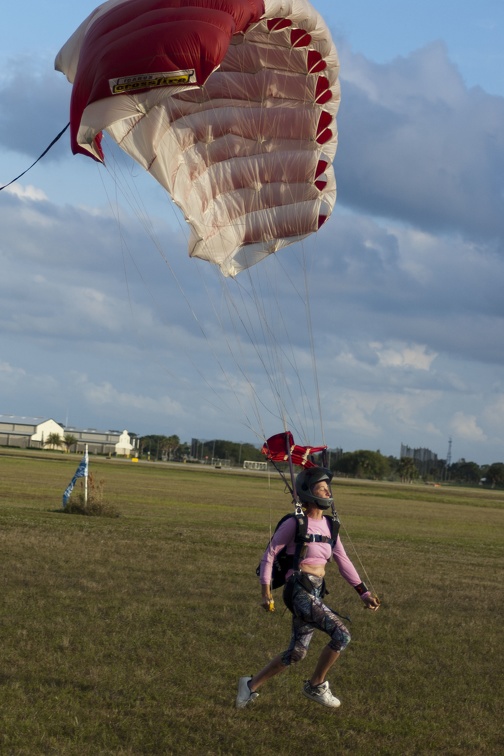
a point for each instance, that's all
(183, 451)
(407, 470)
(393, 463)
(465, 472)
(249, 451)
(169, 445)
(69, 441)
(346, 464)
(156, 446)
(54, 440)
(363, 464)
(495, 474)
(150, 445)
(235, 452)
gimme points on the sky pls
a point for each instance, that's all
(398, 336)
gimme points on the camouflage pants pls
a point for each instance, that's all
(310, 614)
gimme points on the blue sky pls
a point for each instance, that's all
(104, 322)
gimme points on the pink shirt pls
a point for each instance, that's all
(316, 554)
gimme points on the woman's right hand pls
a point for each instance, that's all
(268, 603)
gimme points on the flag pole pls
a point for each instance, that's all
(86, 477)
(81, 472)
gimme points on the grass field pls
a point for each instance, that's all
(127, 635)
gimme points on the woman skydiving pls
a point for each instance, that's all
(305, 589)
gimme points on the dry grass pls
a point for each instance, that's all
(126, 636)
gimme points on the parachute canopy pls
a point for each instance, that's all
(229, 104)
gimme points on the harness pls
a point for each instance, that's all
(303, 538)
(284, 562)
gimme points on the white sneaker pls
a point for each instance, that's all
(245, 695)
(321, 694)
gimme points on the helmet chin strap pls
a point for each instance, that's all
(330, 504)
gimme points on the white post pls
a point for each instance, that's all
(86, 477)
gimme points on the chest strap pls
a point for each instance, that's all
(317, 538)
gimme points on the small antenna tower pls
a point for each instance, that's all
(446, 471)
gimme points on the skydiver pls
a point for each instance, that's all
(304, 591)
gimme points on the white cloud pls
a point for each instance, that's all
(411, 356)
(105, 394)
(370, 414)
(466, 427)
(26, 192)
(494, 414)
(9, 372)
(420, 146)
(18, 383)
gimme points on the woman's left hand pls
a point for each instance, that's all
(371, 602)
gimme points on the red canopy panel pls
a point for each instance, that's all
(277, 449)
(140, 41)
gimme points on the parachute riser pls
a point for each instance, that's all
(295, 498)
(333, 508)
(285, 480)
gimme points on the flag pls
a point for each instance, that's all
(81, 472)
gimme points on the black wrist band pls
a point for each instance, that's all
(361, 588)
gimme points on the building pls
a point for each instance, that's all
(27, 432)
(33, 432)
(103, 442)
(420, 455)
(425, 459)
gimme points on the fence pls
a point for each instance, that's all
(252, 465)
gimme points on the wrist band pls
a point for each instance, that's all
(361, 588)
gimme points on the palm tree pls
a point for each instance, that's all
(54, 440)
(407, 470)
(69, 441)
(169, 444)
